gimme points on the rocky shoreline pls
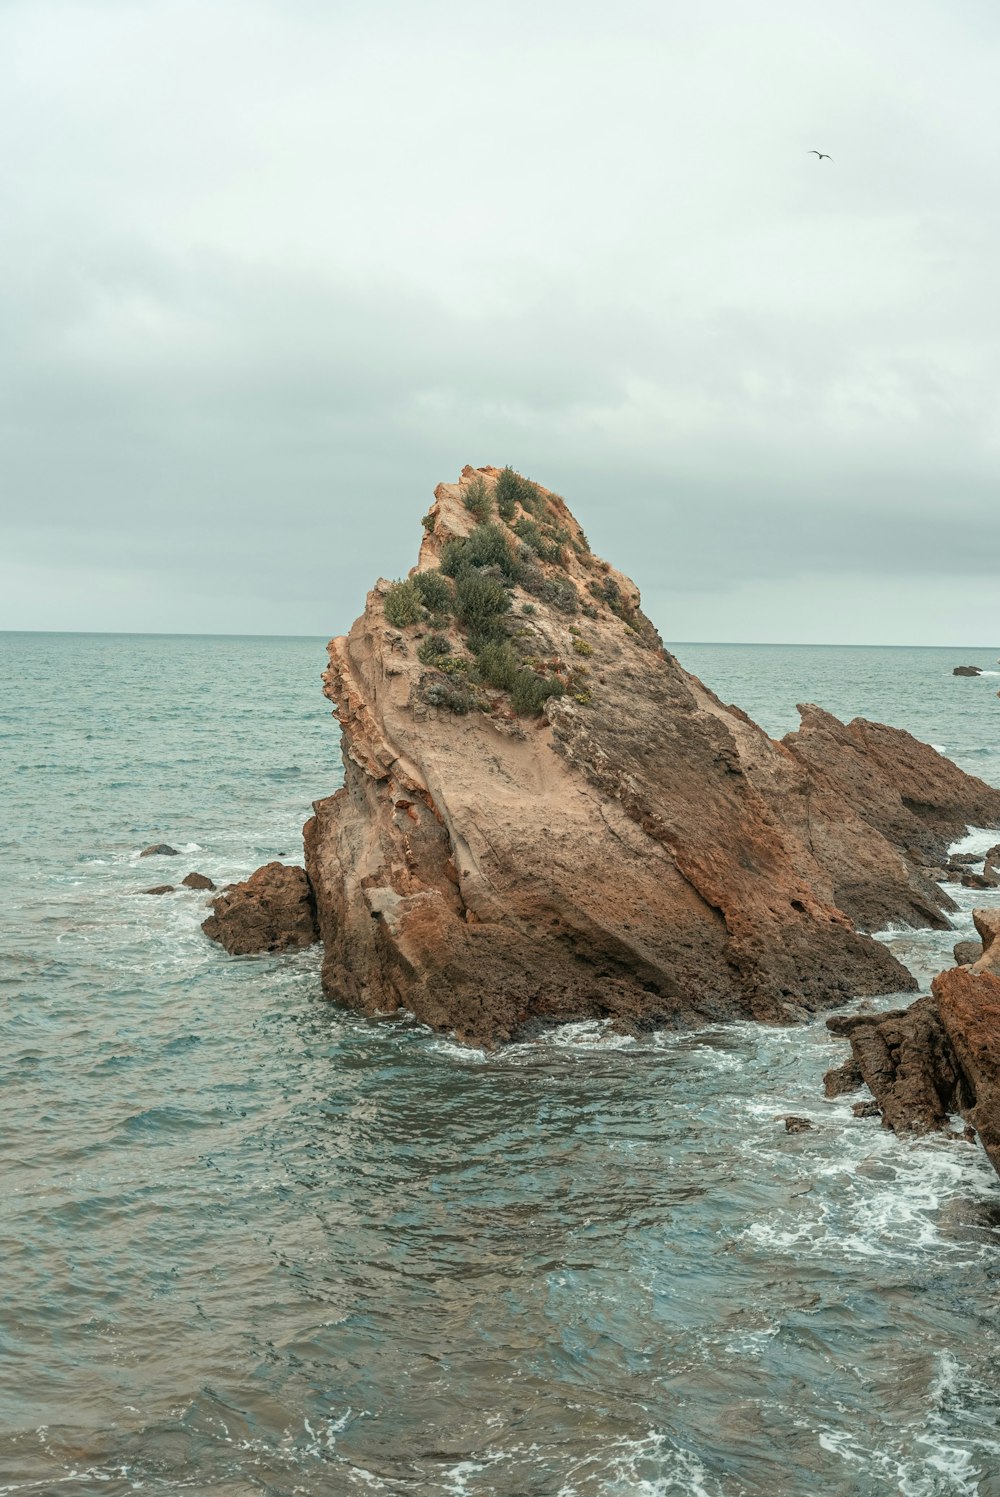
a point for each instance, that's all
(545, 818)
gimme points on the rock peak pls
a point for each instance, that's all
(545, 818)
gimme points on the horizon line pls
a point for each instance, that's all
(784, 644)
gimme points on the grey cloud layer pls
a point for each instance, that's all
(273, 272)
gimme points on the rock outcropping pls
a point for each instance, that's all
(545, 817)
(272, 910)
(926, 1063)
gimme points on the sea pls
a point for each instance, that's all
(251, 1243)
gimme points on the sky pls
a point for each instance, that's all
(272, 269)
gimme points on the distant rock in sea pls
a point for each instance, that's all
(967, 670)
(160, 850)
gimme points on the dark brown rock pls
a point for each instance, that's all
(987, 923)
(197, 881)
(967, 952)
(967, 670)
(160, 889)
(969, 1006)
(963, 860)
(908, 1062)
(796, 1125)
(160, 850)
(979, 881)
(844, 1078)
(273, 910)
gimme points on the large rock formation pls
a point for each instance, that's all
(544, 817)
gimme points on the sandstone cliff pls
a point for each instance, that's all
(544, 817)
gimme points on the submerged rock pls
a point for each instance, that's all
(272, 910)
(160, 889)
(967, 670)
(545, 818)
(159, 850)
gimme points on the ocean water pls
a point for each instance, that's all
(254, 1244)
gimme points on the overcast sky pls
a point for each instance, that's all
(271, 269)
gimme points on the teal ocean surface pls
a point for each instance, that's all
(253, 1244)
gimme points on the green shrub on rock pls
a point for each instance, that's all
(433, 648)
(530, 692)
(481, 603)
(498, 664)
(435, 591)
(403, 605)
(477, 500)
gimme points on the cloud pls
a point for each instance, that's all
(274, 271)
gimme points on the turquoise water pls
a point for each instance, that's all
(253, 1244)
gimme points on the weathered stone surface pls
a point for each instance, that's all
(979, 881)
(969, 1006)
(967, 670)
(640, 852)
(272, 910)
(987, 923)
(794, 1124)
(916, 798)
(844, 1078)
(967, 952)
(159, 850)
(197, 881)
(160, 889)
(907, 1060)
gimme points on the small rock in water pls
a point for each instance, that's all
(967, 670)
(980, 881)
(794, 1124)
(160, 850)
(197, 881)
(967, 952)
(867, 1109)
(963, 859)
(160, 889)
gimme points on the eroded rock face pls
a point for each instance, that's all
(907, 1060)
(638, 851)
(987, 923)
(272, 910)
(969, 1006)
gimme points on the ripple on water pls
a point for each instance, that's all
(255, 1244)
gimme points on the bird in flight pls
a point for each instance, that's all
(823, 155)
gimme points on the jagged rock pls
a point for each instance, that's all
(987, 923)
(916, 798)
(160, 889)
(979, 881)
(794, 1124)
(868, 1109)
(967, 952)
(967, 670)
(197, 881)
(841, 1079)
(159, 850)
(991, 863)
(638, 851)
(907, 1060)
(969, 1006)
(963, 860)
(272, 910)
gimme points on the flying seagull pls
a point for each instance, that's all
(823, 155)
